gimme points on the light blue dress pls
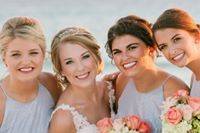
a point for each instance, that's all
(31, 117)
(195, 87)
(144, 105)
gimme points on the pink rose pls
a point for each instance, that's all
(173, 116)
(194, 102)
(132, 122)
(104, 125)
(144, 127)
(182, 93)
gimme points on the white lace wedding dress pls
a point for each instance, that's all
(81, 123)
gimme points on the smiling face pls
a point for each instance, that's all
(78, 64)
(178, 46)
(131, 55)
(24, 59)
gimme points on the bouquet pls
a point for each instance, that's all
(129, 124)
(181, 114)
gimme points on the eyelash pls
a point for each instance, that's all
(34, 53)
(162, 47)
(68, 62)
(176, 39)
(16, 54)
(86, 56)
(132, 47)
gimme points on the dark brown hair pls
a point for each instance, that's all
(130, 25)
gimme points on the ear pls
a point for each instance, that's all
(4, 62)
(197, 40)
(151, 51)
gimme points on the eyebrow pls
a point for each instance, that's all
(85, 53)
(175, 36)
(13, 51)
(132, 44)
(127, 46)
(34, 50)
(81, 55)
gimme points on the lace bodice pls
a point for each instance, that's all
(80, 121)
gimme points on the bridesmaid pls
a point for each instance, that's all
(141, 86)
(178, 38)
(27, 96)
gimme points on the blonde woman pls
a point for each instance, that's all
(27, 95)
(77, 61)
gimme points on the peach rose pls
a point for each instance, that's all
(144, 127)
(132, 122)
(173, 116)
(104, 125)
(194, 102)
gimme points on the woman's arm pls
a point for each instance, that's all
(172, 85)
(62, 122)
(2, 106)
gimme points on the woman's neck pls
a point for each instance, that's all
(86, 93)
(146, 79)
(21, 89)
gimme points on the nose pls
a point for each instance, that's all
(25, 59)
(125, 55)
(172, 50)
(80, 66)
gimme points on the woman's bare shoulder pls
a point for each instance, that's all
(62, 122)
(50, 82)
(172, 85)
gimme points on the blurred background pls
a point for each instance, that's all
(97, 16)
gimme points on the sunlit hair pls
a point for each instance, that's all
(21, 27)
(79, 36)
(130, 25)
(178, 19)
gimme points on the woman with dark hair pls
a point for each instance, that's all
(141, 87)
(178, 38)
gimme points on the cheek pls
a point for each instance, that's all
(91, 63)
(68, 70)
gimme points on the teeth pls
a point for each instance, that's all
(82, 76)
(129, 65)
(178, 56)
(26, 69)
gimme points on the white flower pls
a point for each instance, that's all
(118, 124)
(187, 111)
(182, 127)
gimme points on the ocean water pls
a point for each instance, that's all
(97, 16)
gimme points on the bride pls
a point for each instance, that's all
(77, 62)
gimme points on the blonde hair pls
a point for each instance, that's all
(21, 27)
(79, 36)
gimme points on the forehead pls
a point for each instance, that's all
(168, 33)
(71, 49)
(125, 40)
(22, 44)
